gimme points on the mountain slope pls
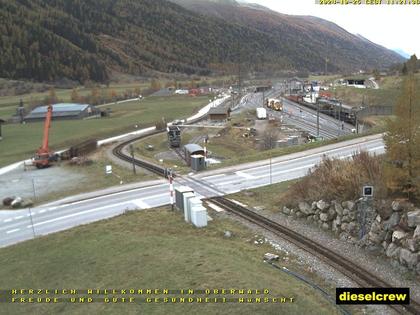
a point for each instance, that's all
(88, 40)
(309, 40)
(48, 39)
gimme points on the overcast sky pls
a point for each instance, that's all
(392, 26)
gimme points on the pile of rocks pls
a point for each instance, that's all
(398, 236)
(395, 232)
(17, 202)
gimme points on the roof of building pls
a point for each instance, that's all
(192, 148)
(220, 110)
(59, 110)
(64, 107)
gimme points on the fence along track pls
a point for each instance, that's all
(338, 262)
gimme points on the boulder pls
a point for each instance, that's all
(299, 214)
(413, 218)
(228, 234)
(388, 236)
(338, 208)
(375, 227)
(305, 208)
(375, 238)
(346, 219)
(26, 203)
(392, 251)
(346, 212)
(322, 205)
(286, 210)
(417, 232)
(392, 221)
(396, 206)
(8, 201)
(344, 226)
(325, 226)
(17, 202)
(349, 205)
(408, 258)
(398, 236)
(351, 226)
(413, 244)
(332, 213)
(314, 205)
(310, 218)
(324, 217)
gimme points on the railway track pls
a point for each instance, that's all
(156, 169)
(361, 276)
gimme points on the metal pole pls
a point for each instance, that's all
(339, 118)
(32, 222)
(171, 189)
(271, 178)
(33, 188)
(317, 120)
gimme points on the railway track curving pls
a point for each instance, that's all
(353, 271)
(118, 151)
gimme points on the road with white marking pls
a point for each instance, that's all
(20, 225)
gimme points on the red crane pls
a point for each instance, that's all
(44, 156)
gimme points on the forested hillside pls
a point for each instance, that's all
(46, 40)
(308, 40)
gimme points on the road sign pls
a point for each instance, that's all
(108, 169)
(367, 191)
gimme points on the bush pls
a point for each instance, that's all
(339, 179)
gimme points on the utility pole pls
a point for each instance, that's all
(171, 188)
(317, 119)
(132, 158)
(271, 173)
(326, 63)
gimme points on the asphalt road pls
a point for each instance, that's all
(17, 226)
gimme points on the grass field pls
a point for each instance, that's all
(154, 249)
(387, 94)
(10, 102)
(20, 141)
(269, 197)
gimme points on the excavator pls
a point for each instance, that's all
(44, 156)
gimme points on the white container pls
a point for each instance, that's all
(187, 196)
(199, 216)
(193, 202)
(179, 199)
